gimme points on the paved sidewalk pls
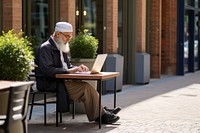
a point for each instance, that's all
(167, 105)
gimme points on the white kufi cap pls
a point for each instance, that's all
(63, 27)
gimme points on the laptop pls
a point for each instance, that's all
(98, 64)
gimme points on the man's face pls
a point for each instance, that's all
(66, 36)
(63, 39)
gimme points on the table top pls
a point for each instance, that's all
(88, 76)
(5, 84)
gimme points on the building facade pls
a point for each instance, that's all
(168, 30)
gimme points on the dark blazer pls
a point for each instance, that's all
(48, 60)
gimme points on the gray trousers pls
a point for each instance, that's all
(84, 92)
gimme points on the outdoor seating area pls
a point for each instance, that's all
(99, 66)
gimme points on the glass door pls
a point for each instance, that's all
(86, 18)
(86, 15)
(196, 42)
(186, 42)
(39, 19)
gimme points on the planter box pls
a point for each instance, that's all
(142, 68)
(114, 63)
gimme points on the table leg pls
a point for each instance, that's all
(99, 89)
(115, 90)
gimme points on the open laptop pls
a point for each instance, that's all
(98, 64)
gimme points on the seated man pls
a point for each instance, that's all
(52, 59)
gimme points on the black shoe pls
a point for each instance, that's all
(108, 118)
(114, 111)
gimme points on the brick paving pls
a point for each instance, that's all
(167, 105)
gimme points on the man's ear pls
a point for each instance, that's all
(57, 34)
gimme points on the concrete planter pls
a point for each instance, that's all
(114, 63)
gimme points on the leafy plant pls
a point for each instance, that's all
(83, 45)
(35, 41)
(15, 56)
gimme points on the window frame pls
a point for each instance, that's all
(53, 10)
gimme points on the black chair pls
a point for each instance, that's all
(45, 101)
(14, 105)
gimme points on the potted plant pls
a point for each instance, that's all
(15, 56)
(83, 48)
(84, 45)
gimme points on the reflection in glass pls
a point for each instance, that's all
(196, 43)
(188, 2)
(89, 14)
(86, 15)
(196, 3)
(39, 19)
(186, 42)
(120, 3)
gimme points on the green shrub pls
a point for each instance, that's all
(83, 45)
(15, 56)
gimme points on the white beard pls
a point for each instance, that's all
(64, 47)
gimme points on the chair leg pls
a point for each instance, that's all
(56, 110)
(60, 117)
(25, 125)
(73, 110)
(7, 130)
(32, 103)
(45, 109)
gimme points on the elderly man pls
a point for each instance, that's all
(52, 58)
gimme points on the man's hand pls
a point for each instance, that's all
(81, 68)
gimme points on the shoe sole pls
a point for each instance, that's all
(111, 122)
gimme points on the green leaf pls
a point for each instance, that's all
(84, 45)
(16, 56)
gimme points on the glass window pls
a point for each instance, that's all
(189, 2)
(86, 15)
(120, 20)
(39, 19)
(196, 3)
(186, 42)
(89, 14)
(196, 41)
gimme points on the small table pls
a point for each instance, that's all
(99, 77)
(6, 84)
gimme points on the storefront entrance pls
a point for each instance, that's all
(191, 40)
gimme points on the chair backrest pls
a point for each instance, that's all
(17, 103)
